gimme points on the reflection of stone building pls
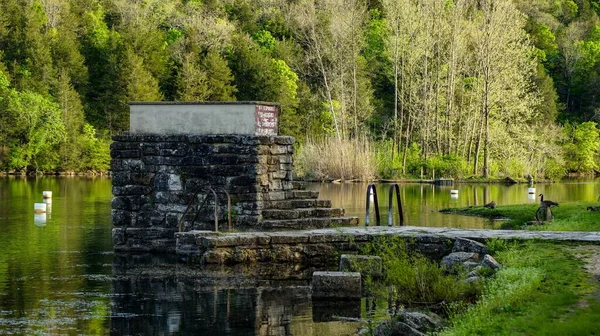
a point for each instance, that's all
(283, 311)
(156, 297)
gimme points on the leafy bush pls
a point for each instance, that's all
(417, 279)
(554, 170)
(448, 166)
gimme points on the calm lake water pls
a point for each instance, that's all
(58, 274)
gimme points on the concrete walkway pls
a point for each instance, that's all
(364, 233)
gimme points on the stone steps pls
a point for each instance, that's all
(306, 223)
(299, 185)
(297, 203)
(301, 194)
(302, 213)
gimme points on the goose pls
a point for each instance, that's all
(546, 203)
(591, 208)
(491, 205)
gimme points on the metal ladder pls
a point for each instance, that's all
(208, 190)
(371, 189)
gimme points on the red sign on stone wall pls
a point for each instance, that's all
(266, 119)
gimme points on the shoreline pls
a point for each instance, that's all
(56, 174)
(430, 181)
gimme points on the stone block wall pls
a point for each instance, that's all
(156, 177)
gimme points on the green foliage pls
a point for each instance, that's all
(538, 291)
(193, 81)
(387, 166)
(96, 152)
(554, 170)
(220, 78)
(36, 127)
(415, 278)
(265, 40)
(582, 153)
(448, 166)
(92, 57)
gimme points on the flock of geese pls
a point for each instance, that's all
(543, 203)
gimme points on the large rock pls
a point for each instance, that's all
(453, 259)
(366, 265)
(468, 245)
(336, 285)
(489, 261)
(395, 328)
(421, 321)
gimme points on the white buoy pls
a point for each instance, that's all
(47, 194)
(453, 192)
(531, 197)
(39, 219)
(454, 196)
(39, 208)
(531, 191)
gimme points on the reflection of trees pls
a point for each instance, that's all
(421, 201)
(46, 274)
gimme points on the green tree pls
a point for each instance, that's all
(35, 128)
(193, 81)
(72, 116)
(141, 85)
(105, 54)
(220, 79)
(582, 152)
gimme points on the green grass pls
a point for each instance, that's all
(416, 279)
(567, 216)
(541, 290)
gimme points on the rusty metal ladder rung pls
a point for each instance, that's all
(216, 198)
(371, 189)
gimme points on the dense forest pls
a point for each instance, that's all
(369, 88)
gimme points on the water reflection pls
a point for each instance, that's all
(64, 278)
(421, 202)
(152, 294)
(39, 219)
(48, 202)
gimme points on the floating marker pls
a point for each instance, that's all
(531, 197)
(531, 191)
(39, 208)
(453, 192)
(39, 219)
(47, 194)
(454, 196)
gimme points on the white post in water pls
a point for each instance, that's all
(47, 194)
(531, 191)
(454, 194)
(39, 208)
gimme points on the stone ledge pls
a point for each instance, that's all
(316, 246)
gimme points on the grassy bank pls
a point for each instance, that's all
(567, 216)
(542, 289)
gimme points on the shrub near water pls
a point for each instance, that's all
(417, 280)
